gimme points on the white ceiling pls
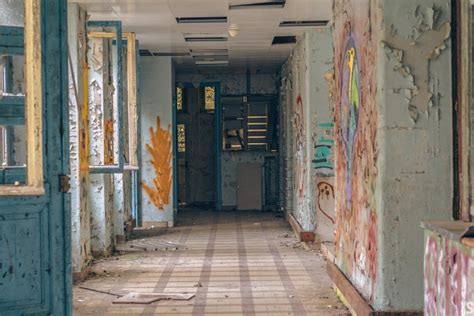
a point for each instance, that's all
(154, 21)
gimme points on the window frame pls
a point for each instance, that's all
(33, 104)
(118, 36)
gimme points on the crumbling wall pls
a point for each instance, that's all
(79, 140)
(355, 46)
(157, 150)
(101, 193)
(320, 61)
(393, 110)
(415, 141)
(307, 124)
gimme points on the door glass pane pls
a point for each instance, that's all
(13, 146)
(12, 12)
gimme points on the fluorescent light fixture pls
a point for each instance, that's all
(212, 63)
(202, 19)
(210, 52)
(203, 38)
(319, 23)
(259, 5)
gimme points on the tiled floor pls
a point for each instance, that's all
(237, 263)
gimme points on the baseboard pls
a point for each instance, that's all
(303, 236)
(81, 276)
(357, 303)
(155, 224)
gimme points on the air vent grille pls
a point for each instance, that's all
(319, 23)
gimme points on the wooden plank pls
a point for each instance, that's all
(148, 298)
(303, 236)
(355, 300)
(357, 303)
(132, 99)
(12, 107)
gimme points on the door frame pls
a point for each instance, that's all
(218, 142)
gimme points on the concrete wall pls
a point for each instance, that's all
(393, 103)
(234, 85)
(157, 85)
(307, 125)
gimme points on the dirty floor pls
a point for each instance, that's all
(237, 263)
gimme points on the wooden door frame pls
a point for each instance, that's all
(462, 178)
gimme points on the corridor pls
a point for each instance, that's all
(240, 263)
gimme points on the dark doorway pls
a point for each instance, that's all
(196, 146)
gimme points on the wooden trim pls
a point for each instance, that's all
(463, 102)
(303, 236)
(111, 35)
(357, 303)
(132, 99)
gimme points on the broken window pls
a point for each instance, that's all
(181, 138)
(209, 99)
(106, 97)
(179, 99)
(21, 133)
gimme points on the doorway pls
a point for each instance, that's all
(197, 159)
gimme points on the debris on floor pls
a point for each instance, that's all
(148, 298)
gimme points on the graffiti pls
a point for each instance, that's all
(160, 150)
(349, 111)
(300, 148)
(447, 276)
(109, 142)
(325, 193)
(323, 154)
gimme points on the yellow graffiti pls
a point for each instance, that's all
(353, 93)
(160, 150)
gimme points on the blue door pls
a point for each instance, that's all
(34, 220)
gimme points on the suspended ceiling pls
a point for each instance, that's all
(155, 23)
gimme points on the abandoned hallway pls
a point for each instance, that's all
(237, 264)
(236, 157)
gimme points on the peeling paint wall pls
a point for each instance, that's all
(448, 274)
(79, 141)
(393, 110)
(307, 129)
(101, 193)
(156, 120)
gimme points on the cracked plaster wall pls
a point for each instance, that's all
(306, 108)
(394, 165)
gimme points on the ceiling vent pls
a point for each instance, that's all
(281, 40)
(319, 23)
(199, 39)
(145, 52)
(212, 63)
(259, 5)
(202, 19)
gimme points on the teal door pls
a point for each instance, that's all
(34, 220)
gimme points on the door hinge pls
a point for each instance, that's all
(64, 183)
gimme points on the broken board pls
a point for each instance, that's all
(148, 298)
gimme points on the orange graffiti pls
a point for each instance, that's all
(160, 150)
(84, 123)
(109, 142)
